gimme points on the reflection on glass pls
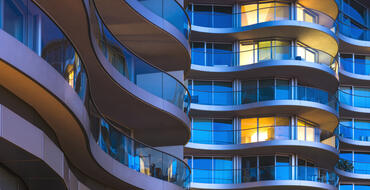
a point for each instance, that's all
(305, 15)
(264, 12)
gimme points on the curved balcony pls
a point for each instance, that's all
(353, 170)
(313, 104)
(354, 105)
(147, 83)
(354, 37)
(318, 144)
(283, 24)
(298, 61)
(266, 177)
(51, 95)
(353, 138)
(143, 26)
(354, 72)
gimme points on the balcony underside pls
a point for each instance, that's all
(351, 45)
(267, 185)
(352, 177)
(355, 112)
(353, 79)
(318, 76)
(349, 144)
(153, 39)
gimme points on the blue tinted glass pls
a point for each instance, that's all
(283, 90)
(202, 93)
(267, 167)
(249, 169)
(347, 62)
(198, 53)
(202, 131)
(249, 92)
(223, 17)
(362, 187)
(345, 187)
(223, 93)
(345, 95)
(202, 15)
(346, 155)
(362, 130)
(362, 97)
(209, 55)
(223, 131)
(223, 170)
(346, 129)
(283, 169)
(362, 64)
(202, 172)
(223, 54)
(15, 13)
(266, 90)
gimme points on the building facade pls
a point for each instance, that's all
(198, 94)
(279, 93)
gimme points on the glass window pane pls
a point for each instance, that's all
(202, 170)
(310, 134)
(282, 50)
(266, 128)
(361, 98)
(362, 64)
(283, 90)
(267, 167)
(282, 128)
(266, 12)
(282, 11)
(345, 95)
(247, 55)
(202, 93)
(249, 169)
(345, 187)
(198, 53)
(283, 169)
(362, 187)
(202, 131)
(266, 90)
(264, 49)
(248, 130)
(203, 15)
(249, 92)
(223, 131)
(223, 54)
(209, 54)
(223, 170)
(346, 61)
(15, 19)
(362, 130)
(223, 17)
(248, 14)
(223, 93)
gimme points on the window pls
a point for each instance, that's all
(212, 169)
(211, 92)
(362, 64)
(306, 53)
(14, 19)
(306, 131)
(256, 51)
(346, 61)
(264, 129)
(212, 131)
(212, 54)
(216, 16)
(264, 12)
(264, 90)
(306, 15)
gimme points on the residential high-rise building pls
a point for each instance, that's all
(174, 94)
(264, 86)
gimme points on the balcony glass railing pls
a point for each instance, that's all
(263, 54)
(136, 155)
(27, 23)
(353, 133)
(171, 11)
(352, 29)
(260, 134)
(265, 14)
(144, 75)
(360, 98)
(264, 173)
(354, 166)
(356, 67)
(252, 95)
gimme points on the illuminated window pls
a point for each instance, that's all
(307, 131)
(264, 12)
(305, 15)
(264, 129)
(71, 79)
(306, 53)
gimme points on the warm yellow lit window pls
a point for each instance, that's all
(282, 121)
(264, 50)
(71, 79)
(266, 12)
(266, 128)
(248, 130)
(143, 168)
(282, 11)
(301, 131)
(310, 56)
(247, 53)
(248, 14)
(282, 49)
(304, 15)
(310, 134)
(306, 53)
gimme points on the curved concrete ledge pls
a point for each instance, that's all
(351, 111)
(350, 144)
(328, 7)
(291, 29)
(150, 36)
(318, 152)
(158, 123)
(350, 45)
(325, 78)
(321, 114)
(41, 86)
(267, 185)
(353, 79)
(353, 177)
